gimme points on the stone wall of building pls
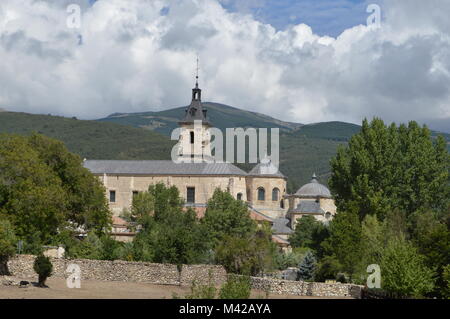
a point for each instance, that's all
(268, 206)
(125, 185)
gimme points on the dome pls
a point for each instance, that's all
(266, 168)
(314, 189)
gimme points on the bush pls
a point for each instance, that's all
(89, 247)
(249, 255)
(403, 270)
(446, 276)
(236, 287)
(207, 291)
(292, 259)
(7, 245)
(44, 268)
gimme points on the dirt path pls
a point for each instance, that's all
(107, 290)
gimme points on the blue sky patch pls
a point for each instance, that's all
(326, 17)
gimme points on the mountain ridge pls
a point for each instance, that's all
(304, 148)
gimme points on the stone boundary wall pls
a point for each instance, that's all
(303, 288)
(118, 270)
(167, 274)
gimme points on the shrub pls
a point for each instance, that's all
(446, 276)
(236, 287)
(207, 291)
(7, 245)
(43, 267)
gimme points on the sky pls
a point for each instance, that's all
(303, 61)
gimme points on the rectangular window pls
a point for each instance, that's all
(112, 196)
(190, 198)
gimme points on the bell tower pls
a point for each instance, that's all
(195, 137)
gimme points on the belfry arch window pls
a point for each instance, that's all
(275, 194)
(192, 137)
(261, 193)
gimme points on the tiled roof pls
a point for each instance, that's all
(280, 240)
(313, 189)
(309, 207)
(280, 226)
(161, 168)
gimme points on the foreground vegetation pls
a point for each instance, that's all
(391, 186)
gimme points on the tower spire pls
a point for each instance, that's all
(196, 76)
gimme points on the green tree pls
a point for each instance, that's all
(44, 189)
(307, 267)
(446, 277)
(31, 196)
(310, 233)
(386, 168)
(248, 255)
(432, 238)
(7, 245)
(328, 268)
(373, 240)
(403, 270)
(304, 229)
(143, 206)
(167, 201)
(345, 242)
(226, 216)
(86, 201)
(44, 268)
(284, 260)
(171, 234)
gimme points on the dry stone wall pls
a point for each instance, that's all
(118, 270)
(303, 288)
(167, 274)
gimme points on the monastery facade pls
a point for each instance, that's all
(196, 178)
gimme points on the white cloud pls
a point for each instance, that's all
(135, 56)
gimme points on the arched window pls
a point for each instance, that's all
(261, 193)
(275, 194)
(328, 215)
(192, 137)
(282, 204)
(239, 196)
